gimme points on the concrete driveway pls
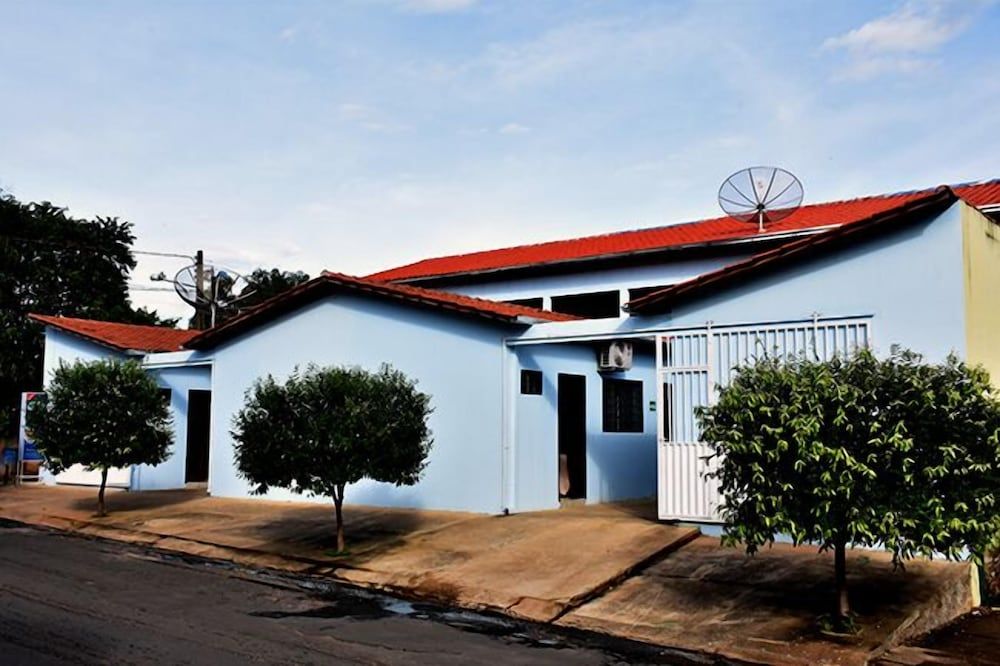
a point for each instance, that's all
(763, 609)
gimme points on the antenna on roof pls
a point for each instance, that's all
(208, 288)
(762, 194)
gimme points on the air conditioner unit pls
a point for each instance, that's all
(615, 356)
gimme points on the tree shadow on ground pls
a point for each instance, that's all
(123, 502)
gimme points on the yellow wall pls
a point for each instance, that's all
(981, 263)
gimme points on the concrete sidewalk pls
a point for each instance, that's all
(534, 566)
(608, 568)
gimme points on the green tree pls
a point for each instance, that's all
(102, 414)
(51, 263)
(329, 427)
(261, 285)
(892, 453)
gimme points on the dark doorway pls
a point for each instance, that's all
(198, 420)
(572, 426)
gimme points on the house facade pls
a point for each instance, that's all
(571, 370)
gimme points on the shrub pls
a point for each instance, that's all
(101, 414)
(892, 453)
(329, 427)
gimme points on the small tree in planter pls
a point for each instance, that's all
(888, 453)
(330, 427)
(101, 414)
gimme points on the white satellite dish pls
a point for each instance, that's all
(761, 194)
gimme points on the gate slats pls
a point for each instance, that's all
(694, 360)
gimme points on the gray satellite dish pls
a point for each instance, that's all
(207, 288)
(760, 194)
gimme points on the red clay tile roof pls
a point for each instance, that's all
(330, 282)
(914, 209)
(449, 300)
(124, 337)
(716, 230)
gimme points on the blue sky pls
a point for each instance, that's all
(358, 135)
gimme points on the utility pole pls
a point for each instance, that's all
(201, 299)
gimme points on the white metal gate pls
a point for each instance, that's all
(691, 364)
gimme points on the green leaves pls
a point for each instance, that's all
(894, 453)
(101, 414)
(52, 263)
(329, 427)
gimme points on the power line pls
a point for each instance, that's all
(134, 287)
(72, 244)
(164, 254)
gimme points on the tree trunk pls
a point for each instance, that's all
(101, 511)
(840, 575)
(338, 504)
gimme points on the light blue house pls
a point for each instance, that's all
(184, 379)
(570, 370)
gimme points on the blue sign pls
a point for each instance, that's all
(27, 451)
(31, 453)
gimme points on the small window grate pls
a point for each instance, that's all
(623, 405)
(531, 382)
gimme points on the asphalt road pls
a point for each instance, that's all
(67, 599)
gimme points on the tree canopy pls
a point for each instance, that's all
(52, 263)
(329, 427)
(261, 285)
(102, 414)
(892, 453)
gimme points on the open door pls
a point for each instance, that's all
(572, 427)
(198, 437)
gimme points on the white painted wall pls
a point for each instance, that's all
(457, 360)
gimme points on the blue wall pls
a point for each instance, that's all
(68, 348)
(600, 280)
(170, 474)
(619, 465)
(457, 360)
(909, 281)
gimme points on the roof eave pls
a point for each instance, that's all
(318, 287)
(661, 301)
(611, 256)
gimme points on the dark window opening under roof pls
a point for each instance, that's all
(528, 302)
(594, 305)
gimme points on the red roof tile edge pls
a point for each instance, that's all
(433, 298)
(659, 300)
(123, 337)
(812, 218)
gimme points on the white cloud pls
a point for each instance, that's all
(870, 68)
(288, 34)
(514, 128)
(910, 29)
(437, 6)
(368, 118)
(898, 43)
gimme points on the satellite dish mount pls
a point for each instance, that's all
(760, 194)
(209, 289)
